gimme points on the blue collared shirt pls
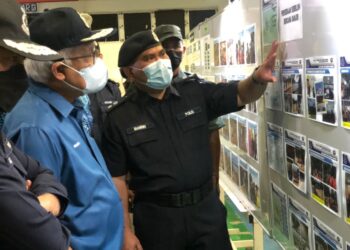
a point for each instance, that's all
(44, 125)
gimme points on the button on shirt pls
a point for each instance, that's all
(44, 125)
(164, 143)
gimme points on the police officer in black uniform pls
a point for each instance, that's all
(171, 38)
(30, 196)
(159, 134)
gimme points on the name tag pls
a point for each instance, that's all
(190, 112)
(76, 145)
(140, 127)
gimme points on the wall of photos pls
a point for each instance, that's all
(288, 153)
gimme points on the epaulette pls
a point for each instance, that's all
(196, 78)
(118, 103)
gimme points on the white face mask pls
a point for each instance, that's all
(95, 77)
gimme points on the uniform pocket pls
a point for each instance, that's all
(140, 134)
(191, 118)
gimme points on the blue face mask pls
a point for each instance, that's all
(159, 74)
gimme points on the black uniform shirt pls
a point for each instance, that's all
(164, 143)
(99, 103)
(24, 224)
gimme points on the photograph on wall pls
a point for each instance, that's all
(346, 185)
(295, 151)
(226, 128)
(293, 86)
(345, 90)
(252, 139)
(321, 89)
(235, 168)
(222, 156)
(270, 26)
(300, 225)
(233, 129)
(273, 92)
(325, 237)
(243, 176)
(251, 107)
(249, 40)
(227, 161)
(324, 177)
(254, 186)
(216, 52)
(240, 48)
(279, 210)
(231, 52)
(291, 20)
(275, 154)
(223, 56)
(242, 133)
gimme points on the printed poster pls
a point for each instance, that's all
(242, 133)
(295, 150)
(227, 161)
(243, 176)
(300, 222)
(226, 128)
(249, 40)
(273, 92)
(324, 165)
(231, 52)
(270, 27)
(345, 90)
(321, 89)
(293, 86)
(325, 237)
(275, 154)
(252, 139)
(346, 186)
(235, 168)
(240, 48)
(216, 52)
(223, 56)
(291, 20)
(254, 186)
(279, 212)
(233, 129)
(207, 52)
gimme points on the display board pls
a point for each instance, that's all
(288, 153)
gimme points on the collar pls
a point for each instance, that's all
(54, 99)
(143, 97)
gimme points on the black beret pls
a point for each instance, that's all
(135, 45)
(166, 31)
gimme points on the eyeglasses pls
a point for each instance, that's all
(95, 53)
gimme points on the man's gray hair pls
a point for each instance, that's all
(39, 71)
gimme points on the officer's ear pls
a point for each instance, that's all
(183, 49)
(57, 69)
(127, 72)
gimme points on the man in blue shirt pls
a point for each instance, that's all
(50, 124)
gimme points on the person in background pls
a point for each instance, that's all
(99, 102)
(31, 198)
(56, 130)
(159, 134)
(171, 38)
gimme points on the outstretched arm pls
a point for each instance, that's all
(253, 87)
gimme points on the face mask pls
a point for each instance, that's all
(159, 74)
(95, 77)
(175, 58)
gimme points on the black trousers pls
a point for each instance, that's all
(198, 227)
